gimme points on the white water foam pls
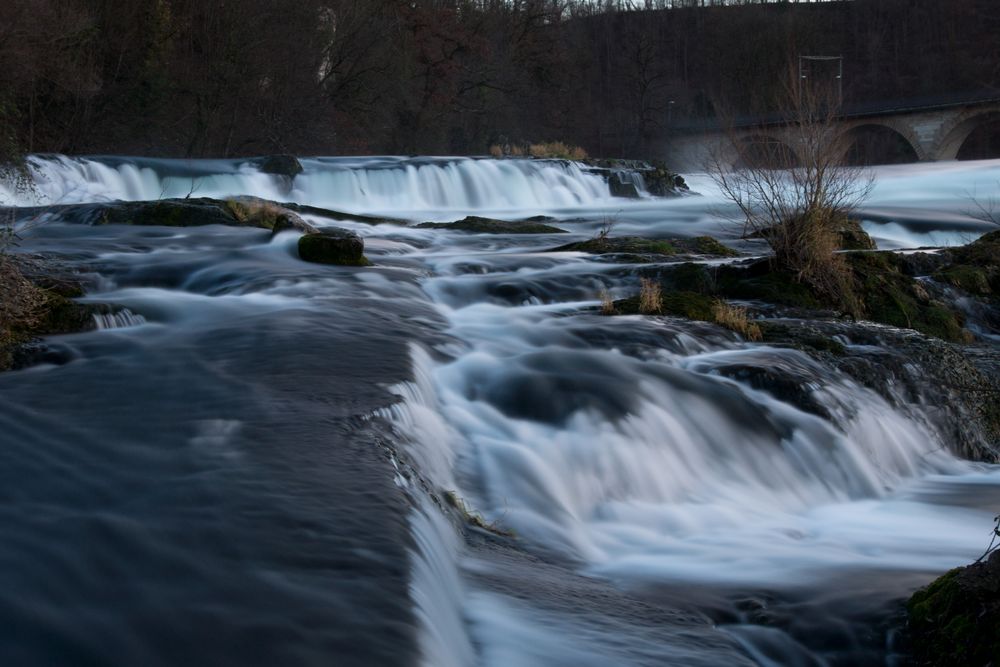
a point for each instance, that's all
(702, 478)
(121, 319)
(382, 185)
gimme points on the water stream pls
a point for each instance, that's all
(244, 464)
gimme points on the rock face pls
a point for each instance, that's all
(35, 301)
(280, 165)
(853, 237)
(620, 187)
(165, 212)
(955, 622)
(333, 246)
(660, 181)
(490, 226)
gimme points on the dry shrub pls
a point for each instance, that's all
(517, 150)
(607, 303)
(557, 150)
(650, 297)
(735, 319)
(796, 199)
(496, 150)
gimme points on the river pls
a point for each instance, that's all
(247, 464)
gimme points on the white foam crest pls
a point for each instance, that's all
(437, 591)
(121, 319)
(436, 586)
(460, 185)
(373, 185)
(703, 478)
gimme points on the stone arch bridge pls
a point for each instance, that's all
(926, 132)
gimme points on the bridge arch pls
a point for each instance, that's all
(955, 140)
(877, 142)
(764, 150)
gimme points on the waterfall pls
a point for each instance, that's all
(382, 185)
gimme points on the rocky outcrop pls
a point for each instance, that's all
(490, 226)
(621, 186)
(333, 246)
(955, 622)
(36, 302)
(658, 179)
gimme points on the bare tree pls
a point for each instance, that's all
(792, 189)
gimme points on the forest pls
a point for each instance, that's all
(225, 78)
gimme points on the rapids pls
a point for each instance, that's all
(245, 463)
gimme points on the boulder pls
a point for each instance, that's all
(279, 165)
(333, 246)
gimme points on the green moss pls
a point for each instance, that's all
(984, 251)
(891, 297)
(970, 278)
(955, 622)
(778, 287)
(638, 246)
(690, 277)
(692, 305)
(706, 245)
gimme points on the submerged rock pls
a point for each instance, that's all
(955, 622)
(479, 225)
(333, 246)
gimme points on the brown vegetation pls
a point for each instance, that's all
(650, 297)
(735, 319)
(799, 201)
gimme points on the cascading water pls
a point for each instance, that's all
(208, 450)
(383, 185)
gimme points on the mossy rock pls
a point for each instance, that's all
(706, 245)
(631, 245)
(168, 213)
(955, 622)
(761, 282)
(891, 297)
(966, 277)
(639, 246)
(691, 305)
(984, 251)
(333, 246)
(490, 226)
(853, 237)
